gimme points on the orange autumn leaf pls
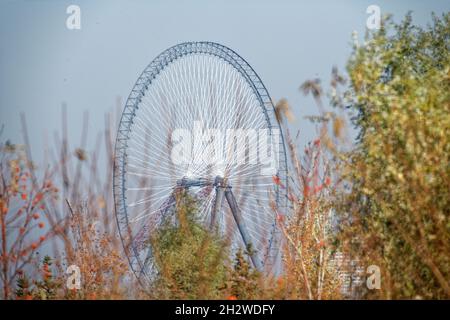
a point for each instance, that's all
(38, 197)
(280, 217)
(276, 180)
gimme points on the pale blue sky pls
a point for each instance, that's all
(43, 64)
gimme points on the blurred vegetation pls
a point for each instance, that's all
(193, 261)
(189, 257)
(400, 170)
(245, 282)
(395, 210)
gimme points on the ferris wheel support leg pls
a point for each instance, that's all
(217, 205)
(241, 225)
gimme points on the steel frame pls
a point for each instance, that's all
(143, 82)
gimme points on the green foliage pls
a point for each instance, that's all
(245, 281)
(400, 171)
(44, 289)
(190, 258)
(23, 285)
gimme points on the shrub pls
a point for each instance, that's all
(190, 259)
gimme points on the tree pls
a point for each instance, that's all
(397, 212)
(310, 267)
(191, 260)
(245, 281)
(23, 226)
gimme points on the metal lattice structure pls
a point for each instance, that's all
(188, 84)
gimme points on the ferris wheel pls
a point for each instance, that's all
(200, 119)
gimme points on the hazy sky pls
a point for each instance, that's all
(43, 64)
